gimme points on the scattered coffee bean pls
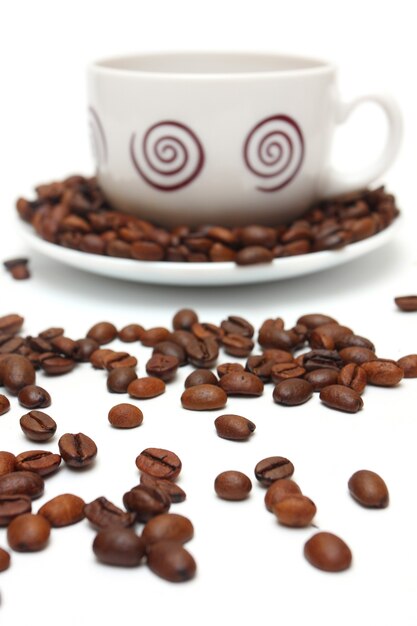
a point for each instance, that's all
(357, 355)
(162, 366)
(18, 268)
(102, 513)
(146, 502)
(102, 332)
(56, 365)
(34, 397)
(159, 463)
(328, 552)
(38, 426)
(280, 489)
(341, 398)
(294, 510)
(273, 468)
(292, 391)
(4, 404)
(63, 510)
(28, 533)
(171, 489)
(7, 462)
(131, 333)
(184, 319)
(232, 485)
(234, 427)
(369, 489)
(168, 527)
(204, 398)
(77, 450)
(284, 371)
(41, 462)
(406, 303)
(120, 378)
(353, 376)
(383, 373)
(13, 505)
(153, 336)
(322, 377)
(22, 483)
(4, 560)
(171, 349)
(16, 372)
(84, 348)
(125, 416)
(241, 383)
(227, 368)
(314, 320)
(409, 365)
(171, 561)
(200, 377)
(147, 387)
(119, 546)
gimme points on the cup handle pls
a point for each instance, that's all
(337, 182)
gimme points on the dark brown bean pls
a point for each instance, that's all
(4, 404)
(292, 392)
(162, 366)
(22, 483)
(171, 489)
(172, 349)
(102, 332)
(84, 348)
(41, 462)
(200, 377)
(4, 560)
(184, 319)
(171, 561)
(241, 383)
(314, 320)
(232, 485)
(16, 371)
(279, 490)
(97, 358)
(146, 502)
(34, 397)
(119, 546)
(235, 325)
(63, 510)
(13, 505)
(28, 533)
(120, 378)
(159, 463)
(63, 345)
(11, 323)
(353, 376)
(284, 371)
(273, 468)
(125, 416)
(102, 513)
(57, 365)
(341, 398)
(294, 510)
(322, 377)
(383, 373)
(38, 426)
(168, 527)
(368, 489)
(152, 336)
(204, 398)
(131, 333)
(253, 255)
(226, 368)
(234, 427)
(327, 552)
(406, 303)
(357, 355)
(237, 345)
(147, 387)
(77, 450)
(409, 365)
(7, 462)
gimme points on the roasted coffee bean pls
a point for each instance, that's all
(41, 462)
(235, 325)
(237, 345)
(327, 552)
(200, 377)
(184, 319)
(7, 346)
(261, 366)
(314, 320)
(171, 489)
(11, 506)
(39, 344)
(11, 323)
(283, 371)
(7, 462)
(241, 383)
(16, 371)
(146, 502)
(63, 510)
(383, 373)
(102, 513)
(168, 527)
(38, 426)
(406, 303)
(352, 341)
(204, 398)
(226, 368)
(130, 333)
(273, 468)
(331, 330)
(4, 560)
(316, 359)
(103, 333)
(292, 392)
(152, 336)
(171, 561)
(77, 450)
(202, 352)
(232, 485)
(341, 398)
(234, 427)
(51, 333)
(294, 510)
(322, 377)
(147, 387)
(409, 365)
(205, 330)
(353, 376)
(22, 483)
(28, 533)
(4, 404)
(119, 546)
(63, 345)
(256, 235)
(125, 416)
(162, 366)
(272, 335)
(98, 358)
(120, 378)
(368, 489)
(159, 463)
(57, 365)
(357, 355)
(254, 255)
(280, 489)
(34, 397)
(170, 348)
(84, 348)
(114, 360)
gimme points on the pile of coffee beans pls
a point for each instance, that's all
(74, 213)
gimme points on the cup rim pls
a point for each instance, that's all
(113, 66)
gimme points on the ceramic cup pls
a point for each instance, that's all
(223, 138)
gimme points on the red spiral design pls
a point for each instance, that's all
(171, 155)
(98, 137)
(274, 150)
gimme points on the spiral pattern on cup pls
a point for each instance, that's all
(274, 151)
(170, 156)
(98, 137)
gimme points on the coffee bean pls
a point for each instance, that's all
(317, 359)
(235, 325)
(4, 560)
(261, 366)
(102, 513)
(273, 468)
(237, 345)
(314, 320)
(406, 303)
(131, 333)
(171, 489)
(119, 546)
(341, 398)
(152, 336)
(28, 533)
(184, 319)
(63, 510)
(322, 377)
(4, 404)
(162, 366)
(232, 485)
(84, 348)
(409, 365)
(168, 527)
(7, 462)
(383, 373)
(97, 358)
(11, 323)
(171, 561)
(13, 505)
(234, 427)
(34, 397)
(272, 335)
(284, 371)
(241, 383)
(146, 502)
(125, 416)
(41, 462)
(294, 510)
(103, 333)
(38, 426)
(202, 352)
(353, 376)
(16, 372)
(200, 377)
(21, 483)
(354, 341)
(116, 360)
(292, 392)
(56, 365)
(120, 378)
(77, 450)
(280, 489)
(204, 398)
(254, 255)
(51, 333)
(327, 552)
(368, 489)
(147, 387)
(205, 330)
(357, 355)
(226, 368)
(63, 345)
(159, 463)
(172, 349)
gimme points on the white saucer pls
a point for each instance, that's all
(207, 274)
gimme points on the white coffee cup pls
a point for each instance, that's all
(223, 138)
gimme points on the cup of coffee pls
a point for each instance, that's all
(223, 138)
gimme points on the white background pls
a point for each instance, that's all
(249, 569)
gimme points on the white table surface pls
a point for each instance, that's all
(250, 569)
